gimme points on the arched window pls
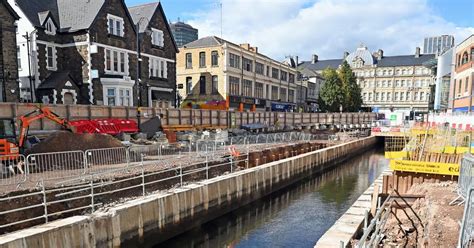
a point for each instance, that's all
(465, 58)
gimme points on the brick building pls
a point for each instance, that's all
(84, 51)
(9, 91)
(461, 93)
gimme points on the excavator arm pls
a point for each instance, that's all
(39, 113)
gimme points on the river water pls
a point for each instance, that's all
(294, 217)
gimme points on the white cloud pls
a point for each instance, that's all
(326, 27)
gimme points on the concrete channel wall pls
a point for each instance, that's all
(163, 215)
(184, 117)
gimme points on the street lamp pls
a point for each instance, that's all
(139, 60)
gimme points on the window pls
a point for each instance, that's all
(247, 88)
(18, 56)
(466, 84)
(189, 61)
(402, 96)
(202, 85)
(284, 76)
(259, 68)
(154, 67)
(465, 58)
(215, 82)
(234, 83)
(268, 71)
(397, 83)
(258, 90)
(292, 78)
(291, 95)
(214, 58)
(274, 92)
(383, 96)
(189, 85)
(234, 60)
(51, 58)
(202, 59)
(389, 83)
(50, 28)
(365, 96)
(124, 97)
(118, 96)
(111, 97)
(408, 95)
(377, 96)
(157, 37)
(396, 96)
(163, 68)
(389, 96)
(115, 25)
(459, 86)
(283, 94)
(370, 96)
(248, 64)
(422, 96)
(115, 62)
(275, 73)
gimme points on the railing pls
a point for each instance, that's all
(12, 170)
(466, 179)
(466, 234)
(45, 205)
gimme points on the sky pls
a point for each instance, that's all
(325, 27)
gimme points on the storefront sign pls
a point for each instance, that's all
(425, 167)
(281, 107)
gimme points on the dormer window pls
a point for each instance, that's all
(50, 28)
(115, 25)
(157, 38)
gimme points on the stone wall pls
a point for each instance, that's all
(8, 56)
(161, 216)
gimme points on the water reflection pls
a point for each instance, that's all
(294, 217)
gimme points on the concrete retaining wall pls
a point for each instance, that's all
(158, 217)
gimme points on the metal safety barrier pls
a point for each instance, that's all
(101, 160)
(12, 170)
(466, 179)
(466, 234)
(54, 165)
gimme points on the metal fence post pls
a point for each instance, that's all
(207, 168)
(92, 194)
(45, 201)
(181, 175)
(143, 176)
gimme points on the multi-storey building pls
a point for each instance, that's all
(462, 84)
(311, 81)
(82, 51)
(213, 73)
(158, 66)
(388, 83)
(9, 90)
(437, 44)
(183, 33)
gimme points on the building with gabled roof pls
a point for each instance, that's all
(388, 83)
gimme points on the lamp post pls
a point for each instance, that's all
(27, 37)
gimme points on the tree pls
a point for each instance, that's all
(340, 89)
(350, 89)
(330, 97)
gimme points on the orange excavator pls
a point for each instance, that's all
(11, 146)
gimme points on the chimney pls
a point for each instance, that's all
(314, 59)
(345, 55)
(379, 54)
(417, 52)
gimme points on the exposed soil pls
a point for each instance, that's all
(155, 180)
(66, 141)
(439, 226)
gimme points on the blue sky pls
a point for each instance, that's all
(460, 12)
(325, 27)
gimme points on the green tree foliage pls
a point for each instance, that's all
(340, 89)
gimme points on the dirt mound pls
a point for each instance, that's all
(67, 141)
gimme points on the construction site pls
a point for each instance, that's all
(92, 175)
